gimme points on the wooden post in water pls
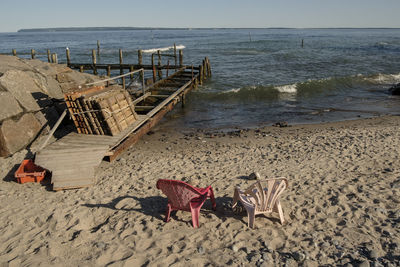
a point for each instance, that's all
(54, 58)
(209, 68)
(167, 68)
(140, 57)
(108, 73)
(180, 58)
(131, 69)
(302, 42)
(98, 47)
(175, 56)
(68, 56)
(121, 70)
(33, 53)
(183, 100)
(204, 69)
(195, 81)
(159, 64)
(200, 74)
(121, 61)
(48, 56)
(14, 52)
(154, 68)
(94, 60)
(108, 70)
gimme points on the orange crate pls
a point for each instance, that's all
(29, 172)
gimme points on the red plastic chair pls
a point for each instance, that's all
(183, 196)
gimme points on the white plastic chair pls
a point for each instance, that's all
(261, 197)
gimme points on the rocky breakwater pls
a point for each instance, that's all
(31, 99)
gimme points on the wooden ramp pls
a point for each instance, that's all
(73, 159)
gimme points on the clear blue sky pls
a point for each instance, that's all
(17, 14)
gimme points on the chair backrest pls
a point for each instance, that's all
(179, 193)
(267, 192)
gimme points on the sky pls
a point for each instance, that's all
(22, 14)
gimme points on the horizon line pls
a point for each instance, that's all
(104, 28)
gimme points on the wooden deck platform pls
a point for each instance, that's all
(73, 159)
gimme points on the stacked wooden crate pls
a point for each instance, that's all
(101, 111)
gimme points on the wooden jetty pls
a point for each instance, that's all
(73, 159)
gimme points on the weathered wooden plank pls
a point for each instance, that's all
(61, 154)
(100, 142)
(68, 162)
(47, 160)
(56, 150)
(134, 137)
(76, 136)
(72, 185)
(88, 177)
(73, 176)
(160, 96)
(81, 143)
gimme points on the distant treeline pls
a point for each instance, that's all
(70, 29)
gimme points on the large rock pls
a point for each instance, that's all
(53, 88)
(48, 116)
(22, 87)
(47, 69)
(16, 135)
(395, 89)
(9, 107)
(12, 63)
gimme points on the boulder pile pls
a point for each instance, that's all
(32, 99)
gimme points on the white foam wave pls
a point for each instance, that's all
(162, 49)
(237, 90)
(385, 79)
(289, 88)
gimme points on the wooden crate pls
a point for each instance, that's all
(101, 111)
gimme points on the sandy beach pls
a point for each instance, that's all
(342, 205)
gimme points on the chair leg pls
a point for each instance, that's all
(212, 198)
(235, 198)
(251, 217)
(195, 217)
(280, 211)
(168, 214)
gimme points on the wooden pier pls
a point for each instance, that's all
(73, 159)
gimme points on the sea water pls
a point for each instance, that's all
(260, 76)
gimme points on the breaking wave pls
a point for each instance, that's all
(384, 79)
(162, 49)
(308, 88)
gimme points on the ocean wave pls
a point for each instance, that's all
(309, 88)
(162, 49)
(384, 79)
(290, 88)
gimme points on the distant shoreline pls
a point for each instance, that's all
(69, 29)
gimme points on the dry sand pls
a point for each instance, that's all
(342, 204)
